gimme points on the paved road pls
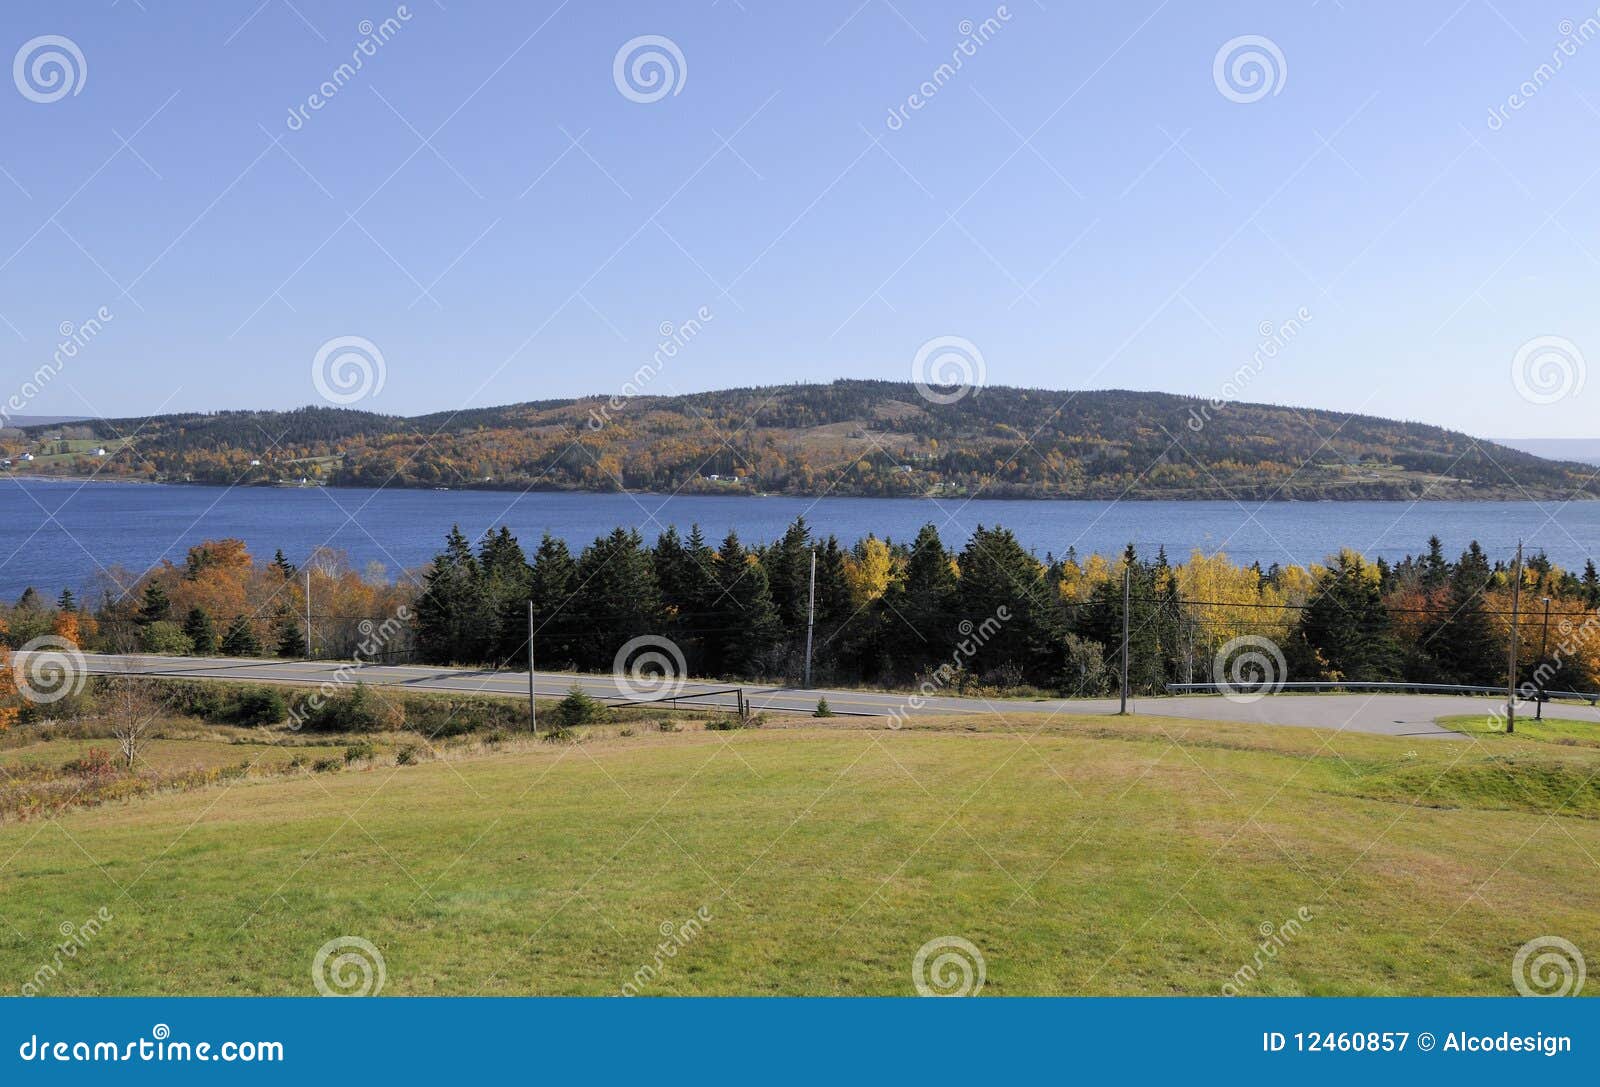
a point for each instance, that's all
(1384, 714)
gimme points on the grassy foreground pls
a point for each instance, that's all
(1108, 855)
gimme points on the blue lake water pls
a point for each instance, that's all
(55, 534)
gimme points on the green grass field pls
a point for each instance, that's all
(1140, 856)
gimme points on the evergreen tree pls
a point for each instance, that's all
(1345, 627)
(240, 639)
(616, 598)
(448, 610)
(1591, 585)
(998, 573)
(551, 582)
(1435, 570)
(67, 602)
(747, 622)
(199, 629)
(505, 579)
(155, 607)
(291, 641)
(926, 600)
(1464, 643)
(284, 568)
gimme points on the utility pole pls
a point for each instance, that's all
(533, 719)
(1511, 666)
(1544, 644)
(309, 653)
(811, 615)
(1127, 593)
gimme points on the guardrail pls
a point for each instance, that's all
(1592, 697)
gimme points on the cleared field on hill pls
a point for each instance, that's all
(1102, 856)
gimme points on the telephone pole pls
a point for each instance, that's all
(309, 653)
(533, 719)
(811, 615)
(1127, 593)
(1511, 664)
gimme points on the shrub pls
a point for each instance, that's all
(362, 749)
(408, 754)
(259, 706)
(626, 733)
(823, 709)
(730, 722)
(166, 637)
(356, 709)
(326, 766)
(665, 725)
(579, 708)
(298, 761)
(95, 763)
(494, 737)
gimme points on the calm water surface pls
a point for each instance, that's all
(55, 534)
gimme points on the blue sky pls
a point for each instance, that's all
(1080, 200)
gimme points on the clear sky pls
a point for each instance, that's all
(1082, 199)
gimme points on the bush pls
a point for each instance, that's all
(408, 754)
(823, 709)
(299, 761)
(665, 725)
(166, 637)
(626, 733)
(579, 708)
(327, 766)
(494, 737)
(360, 750)
(730, 722)
(259, 706)
(355, 709)
(93, 763)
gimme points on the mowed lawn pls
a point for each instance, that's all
(1140, 855)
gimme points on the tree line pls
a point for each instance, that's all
(989, 615)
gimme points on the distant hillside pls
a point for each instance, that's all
(845, 438)
(1582, 450)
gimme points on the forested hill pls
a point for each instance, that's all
(846, 438)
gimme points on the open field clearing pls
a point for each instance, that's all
(1105, 855)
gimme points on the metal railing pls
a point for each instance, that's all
(1592, 697)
